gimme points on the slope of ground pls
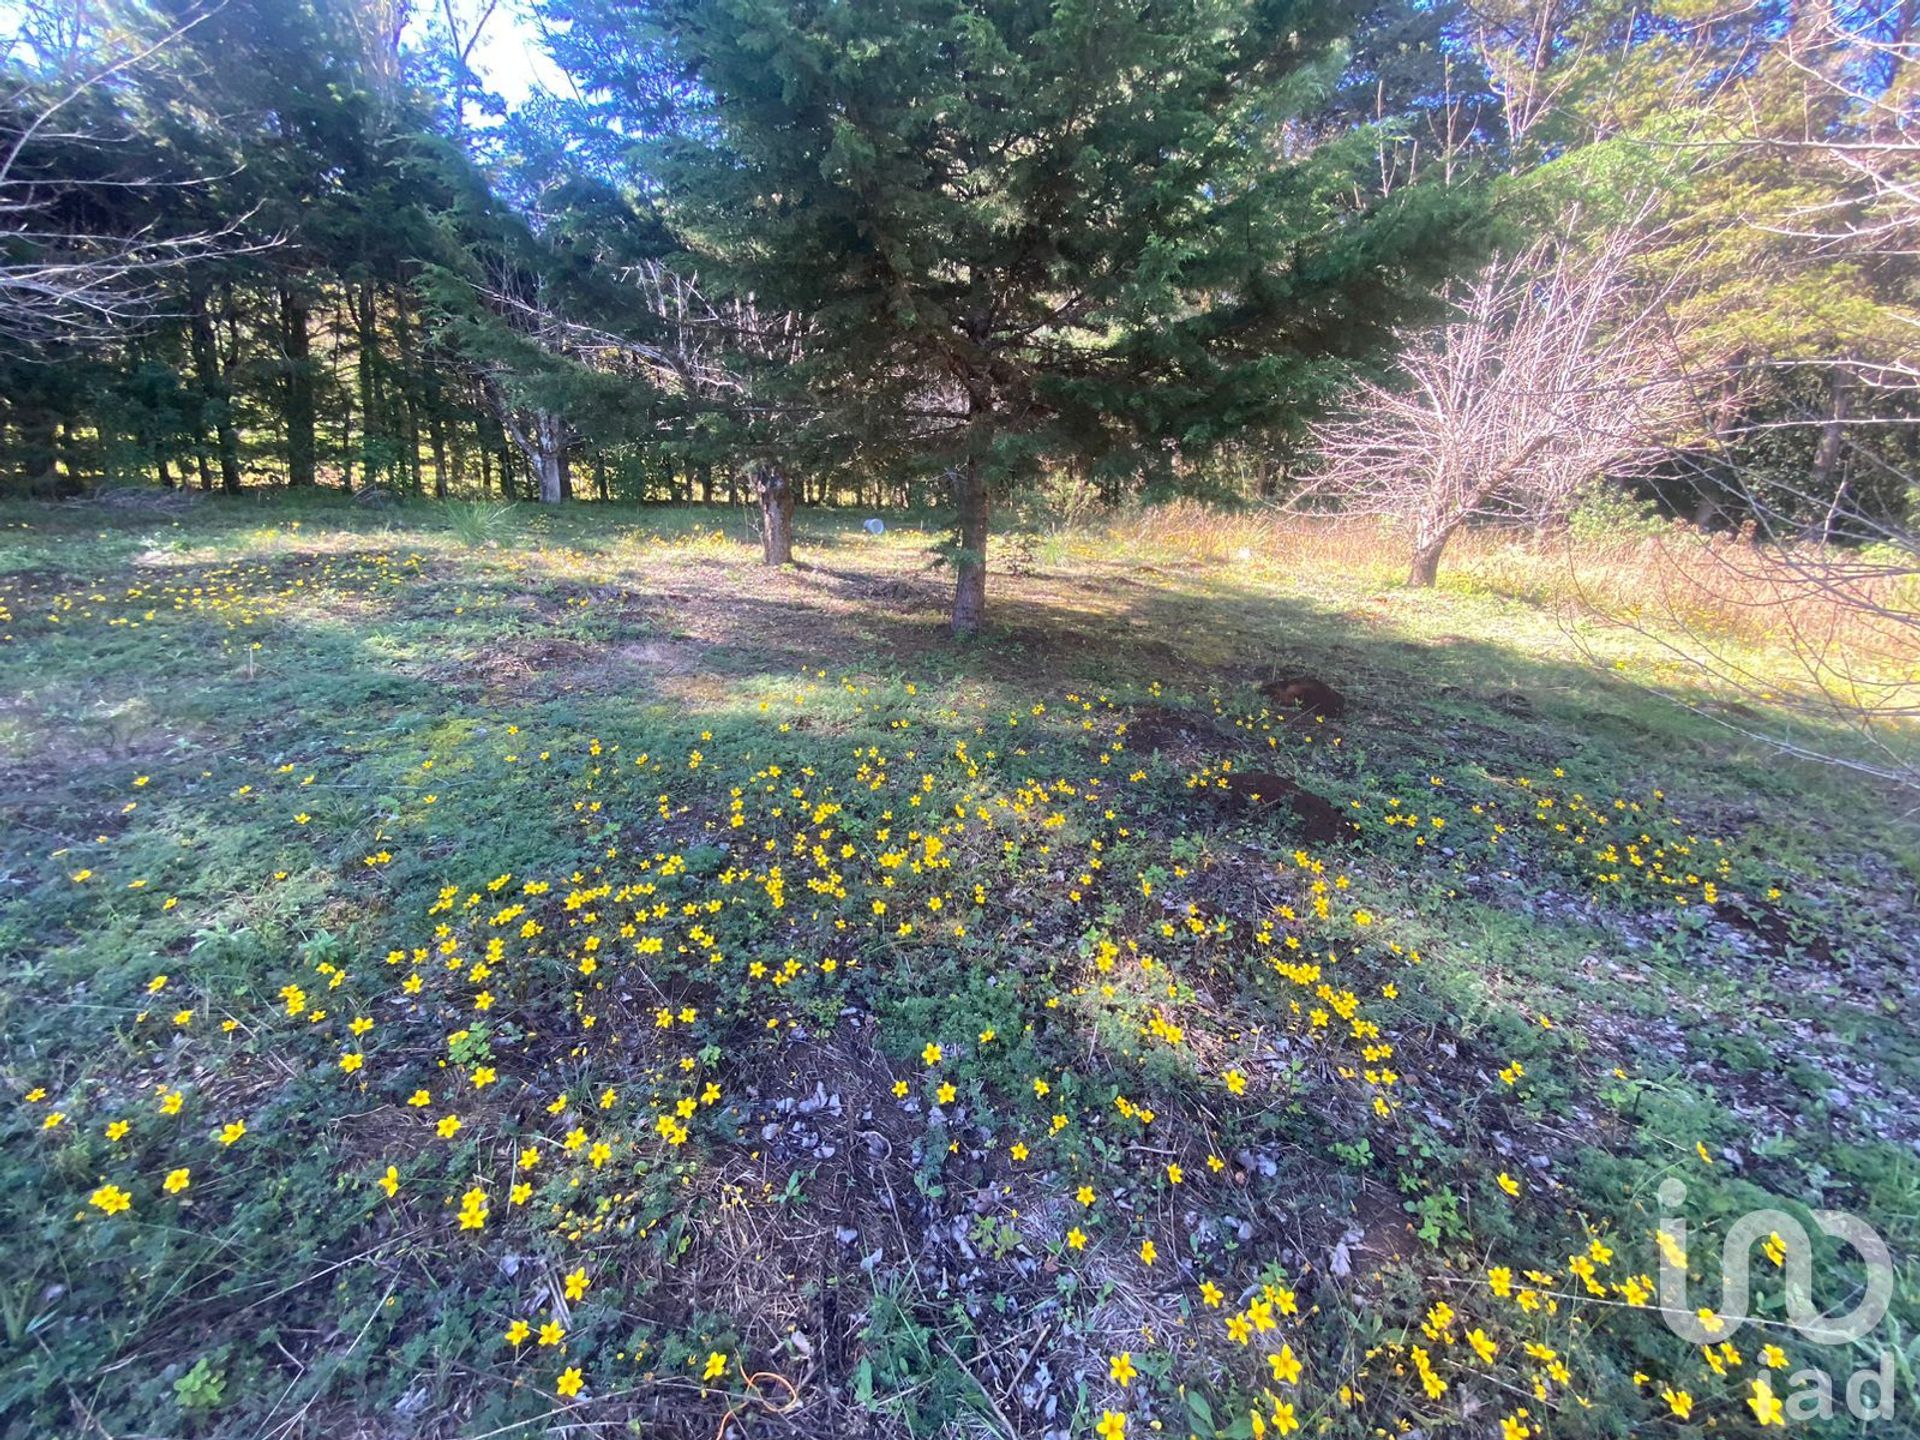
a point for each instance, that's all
(585, 979)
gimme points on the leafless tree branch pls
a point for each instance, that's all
(1559, 368)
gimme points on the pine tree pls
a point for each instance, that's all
(1021, 230)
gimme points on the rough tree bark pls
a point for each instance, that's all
(971, 517)
(296, 351)
(1425, 571)
(213, 385)
(775, 491)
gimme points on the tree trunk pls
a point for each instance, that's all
(40, 452)
(296, 350)
(372, 429)
(542, 443)
(1426, 558)
(705, 471)
(213, 386)
(776, 514)
(971, 514)
(409, 390)
(970, 561)
(346, 442)
(547, 466)
(545, 445)
(437, 436)
(345, 449)
(457, 447)
(1826, 454)
(74, 458)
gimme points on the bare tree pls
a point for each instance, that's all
(1524, 48)
(712, 347)
(462, 38)
(1558, 368)
(1827, 567)
(61, 280)
(696, 350)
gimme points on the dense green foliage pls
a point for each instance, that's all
(1111, 250)
(1022, 233)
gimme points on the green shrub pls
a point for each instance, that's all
(1608, 510)
(480, 524)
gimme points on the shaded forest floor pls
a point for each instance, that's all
(570, 976)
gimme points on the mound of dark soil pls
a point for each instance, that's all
(1307, 695)
(1154, 727)
(1769, 925)
(1318, 821)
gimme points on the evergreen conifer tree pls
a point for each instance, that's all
(1020, 229)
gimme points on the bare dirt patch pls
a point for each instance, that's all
(1154, 729)
(1261, 790)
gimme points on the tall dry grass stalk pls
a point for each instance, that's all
(1814, 633)
(1190, 529)
(1810, 630)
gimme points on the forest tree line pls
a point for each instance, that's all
(1454, 261)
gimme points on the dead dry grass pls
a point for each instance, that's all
(1721, 581)
(1806, 625)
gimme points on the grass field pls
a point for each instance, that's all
(477, 974)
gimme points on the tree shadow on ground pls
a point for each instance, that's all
(643, 650)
